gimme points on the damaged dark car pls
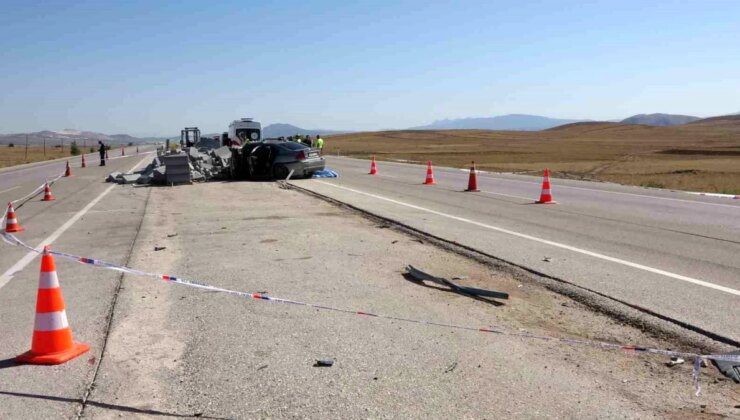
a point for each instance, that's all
(274, 159)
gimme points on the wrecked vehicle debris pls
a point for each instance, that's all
(243, 155)
(728, 368)
(324, 363)
(275, 159)
(421, 276)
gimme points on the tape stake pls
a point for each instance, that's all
(695, 373)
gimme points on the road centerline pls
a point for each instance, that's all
(547, 242)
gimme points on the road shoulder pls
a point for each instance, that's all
(183, 351)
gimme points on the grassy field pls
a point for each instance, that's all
(694, 157)
(10, 156)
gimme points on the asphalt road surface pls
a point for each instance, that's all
(13, 178)
(674, 253)
(162, 350)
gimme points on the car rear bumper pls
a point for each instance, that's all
(306, 167)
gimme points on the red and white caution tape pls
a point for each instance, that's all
(696, 357)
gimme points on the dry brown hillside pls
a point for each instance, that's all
(700, 156)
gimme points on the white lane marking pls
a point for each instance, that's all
(10, 189)
(560, 186)
(490, 175)
(508, 195)
(547, 242)
(23, 262)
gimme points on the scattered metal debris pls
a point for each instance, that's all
(729, 369)
(422, 276)
(547, 259)
(160, 248)
(324, 363)
(451, 367)
(675, 361)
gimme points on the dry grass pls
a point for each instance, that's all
(10, 156)
(697, 157)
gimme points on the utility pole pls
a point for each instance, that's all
(26, 158)
(44, 145)
(62, 146)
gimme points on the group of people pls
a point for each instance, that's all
(317, 143)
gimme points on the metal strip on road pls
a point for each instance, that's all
(546, 242)
(23, 262)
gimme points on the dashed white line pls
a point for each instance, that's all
(10, 189)
(23, 262)
(546, 241)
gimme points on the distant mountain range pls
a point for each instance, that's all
(659, 119)
(522, 122)
(519, 122)
(285, 130)
(68, 136)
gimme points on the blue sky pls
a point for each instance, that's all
(150, 68)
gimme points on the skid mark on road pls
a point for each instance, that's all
(547, 242)
(23, 262)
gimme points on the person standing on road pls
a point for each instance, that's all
(320, 144)
(101, 150)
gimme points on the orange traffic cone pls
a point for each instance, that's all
(84, 164)
(546, 195)
(52, 342)
(123, 152)
(68, 171)
(11, 223)
(473, 179)
(373, 167)
(47, 193)
(430, 174)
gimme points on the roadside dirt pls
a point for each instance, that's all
(180, 350)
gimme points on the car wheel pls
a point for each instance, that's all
(280, 171)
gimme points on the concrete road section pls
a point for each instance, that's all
(184, 352)
(669, 252)
(164, 350)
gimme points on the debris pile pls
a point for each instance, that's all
(183, 167)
